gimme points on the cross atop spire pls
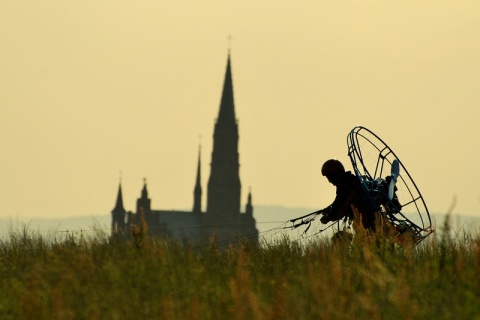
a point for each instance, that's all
(229, 42)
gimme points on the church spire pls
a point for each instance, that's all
(249, 206)
(118, 214)
(197, 192)
(143, 203)
(223, 198)
(144, 190)
(119, 203)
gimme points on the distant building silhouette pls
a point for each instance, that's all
(223, 216)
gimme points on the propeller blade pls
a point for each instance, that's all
(394, 174)
(395, 168)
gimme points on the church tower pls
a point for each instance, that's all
(223, 194)
(221, 215)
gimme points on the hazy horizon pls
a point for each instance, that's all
(89, 90)
(266, 218)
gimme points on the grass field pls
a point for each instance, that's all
(98, 278)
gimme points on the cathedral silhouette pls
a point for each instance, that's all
(223, 219)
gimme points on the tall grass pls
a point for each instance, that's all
(102, 278)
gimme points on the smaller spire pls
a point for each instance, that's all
(118, 214)
(143, 203)
(199, 165)
(144, 190)
(249, 206)
(197, 192)
(119, 202)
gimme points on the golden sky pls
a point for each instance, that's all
(91, 88)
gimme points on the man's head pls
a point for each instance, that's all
(332, 169)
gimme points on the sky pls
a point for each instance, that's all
(94, 92)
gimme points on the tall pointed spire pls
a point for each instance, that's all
(197, 192)
(223, 198)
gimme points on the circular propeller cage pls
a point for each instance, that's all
(372, 161)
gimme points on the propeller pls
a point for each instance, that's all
(394, 174)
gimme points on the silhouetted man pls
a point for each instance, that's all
(349, 193)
